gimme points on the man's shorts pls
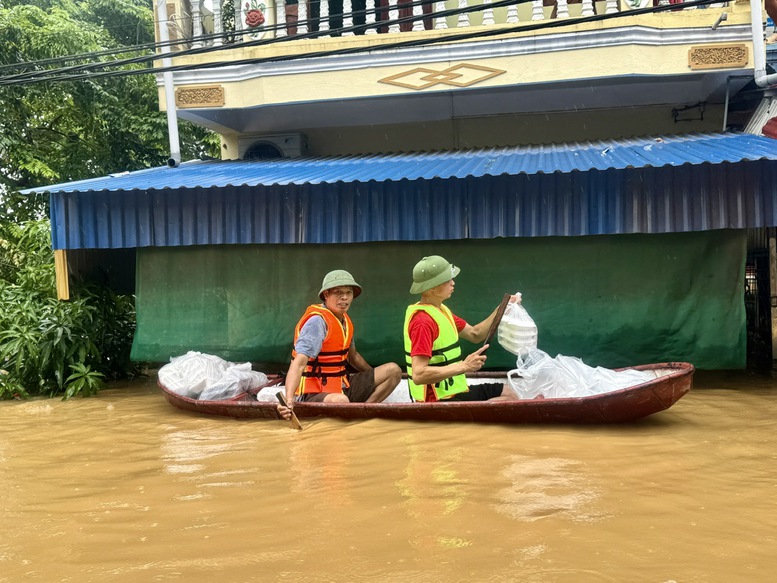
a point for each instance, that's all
(362, 386)
(482, 392)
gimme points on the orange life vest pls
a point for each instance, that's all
(326, 373)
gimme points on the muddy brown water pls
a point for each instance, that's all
(125, 488)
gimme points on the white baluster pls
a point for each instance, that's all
(488, 14)
(239, 19)
(323, 15)
(463, 21)
(611, 7)
(217, 25)
(370, 18)
(537, 13)
(563, 9)
(393, 15)
(440, 22)
(280, 18)
(196, 23)
(418, 13)
(348, 17)
(588, 8)
(302, 18)
(512, 13)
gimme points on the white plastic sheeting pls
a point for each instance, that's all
(208, 377)
(537, 374)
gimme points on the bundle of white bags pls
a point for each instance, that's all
(537, 374)
(208, 377)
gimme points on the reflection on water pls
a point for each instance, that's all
(540, 488)
(123, 487)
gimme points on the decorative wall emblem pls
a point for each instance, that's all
(254, 15)
(204, 96)
(464, 75)
(717, 56)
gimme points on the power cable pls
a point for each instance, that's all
(342, 51)
(241, 32)
(316, 34)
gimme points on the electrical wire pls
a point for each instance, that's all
(57, 76)
(245, 31)
(316, 34)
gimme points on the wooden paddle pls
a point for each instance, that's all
(294, 421)
(500, 311)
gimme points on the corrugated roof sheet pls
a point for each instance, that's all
(644, 200)
(544, 159)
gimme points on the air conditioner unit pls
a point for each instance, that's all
(288, 145)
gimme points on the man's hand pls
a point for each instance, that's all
(476, 360)
(285, 412)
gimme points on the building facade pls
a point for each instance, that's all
(589, 155)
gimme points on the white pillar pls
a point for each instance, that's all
(196, 23)
(323, 15)
(347, 16)
(537, 12)
(440, 22)
(302, 18)
(418, 24)
(370, 18)
(563, 9)
(217, 25)
(280, 17)
(393, 15)
(512, 13)
(463, 21)
(239, 20)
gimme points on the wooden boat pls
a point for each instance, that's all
(672, 381)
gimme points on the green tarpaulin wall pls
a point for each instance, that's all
(611, 300)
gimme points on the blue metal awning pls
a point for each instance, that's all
(645, 185)
(543, 159)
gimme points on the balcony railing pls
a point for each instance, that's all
(212, 22)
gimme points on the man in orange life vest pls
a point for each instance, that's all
(431, 332)
(324, 346)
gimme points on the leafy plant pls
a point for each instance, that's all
(50, 347)
(84, 381)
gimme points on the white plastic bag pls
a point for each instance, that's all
(536, 374)
(208, 377)
(236, 380)
(190, 373)
(517, 331)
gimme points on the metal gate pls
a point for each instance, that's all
(758, 299)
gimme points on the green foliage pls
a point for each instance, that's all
(69, 130)
(57, 132)
(50, 347)
(84, 381)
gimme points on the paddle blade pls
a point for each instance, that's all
(500, 311)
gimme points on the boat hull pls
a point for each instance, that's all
(672, 382)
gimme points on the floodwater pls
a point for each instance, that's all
(125, 488)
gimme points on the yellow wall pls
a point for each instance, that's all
(494, 131)
(669, 59)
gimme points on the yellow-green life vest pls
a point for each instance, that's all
(445, 350)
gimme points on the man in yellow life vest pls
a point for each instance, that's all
(432, 351)
(324, 348)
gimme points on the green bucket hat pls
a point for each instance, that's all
(338, 278)
(430, 272)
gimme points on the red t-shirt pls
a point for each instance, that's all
(423, 331)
